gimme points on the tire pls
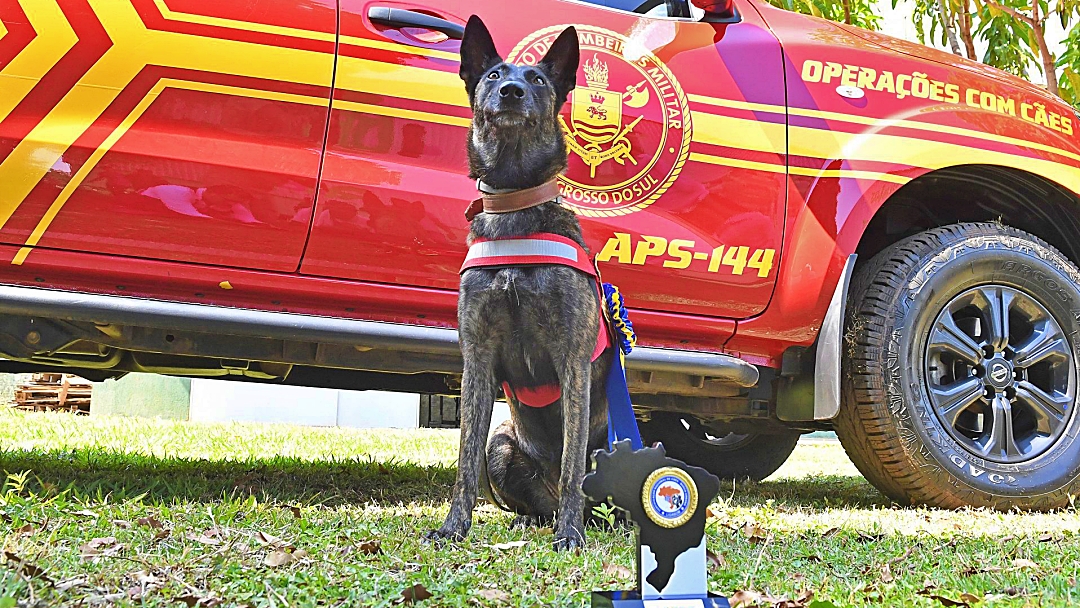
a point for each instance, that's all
(946, 400)
(731, 456)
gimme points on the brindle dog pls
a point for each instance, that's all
(531, 325)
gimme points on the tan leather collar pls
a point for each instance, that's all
(514, 200)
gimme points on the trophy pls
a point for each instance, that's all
(666, 500)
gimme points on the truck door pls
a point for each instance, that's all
(184, 130)
(676, 135)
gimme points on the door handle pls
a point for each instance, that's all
(397, 18)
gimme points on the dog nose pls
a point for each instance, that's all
(511, 89)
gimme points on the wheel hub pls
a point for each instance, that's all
(1000, 374)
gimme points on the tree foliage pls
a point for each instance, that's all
(1012, 31)
(852, 12)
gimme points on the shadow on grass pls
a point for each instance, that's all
(94, 473)
(91, 473)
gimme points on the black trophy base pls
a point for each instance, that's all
(632, 599)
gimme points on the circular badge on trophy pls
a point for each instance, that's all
(670, 497)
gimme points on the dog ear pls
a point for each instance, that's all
(561, 64)
(478, 53)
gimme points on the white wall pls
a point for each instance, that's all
(221, 400)
(225, 401)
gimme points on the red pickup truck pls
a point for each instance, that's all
(815, 226)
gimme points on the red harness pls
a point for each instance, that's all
(536, 250)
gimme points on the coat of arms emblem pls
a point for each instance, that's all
(628, 125)
(596, 131)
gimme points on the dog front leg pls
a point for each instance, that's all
(570, 530)
(477, 399)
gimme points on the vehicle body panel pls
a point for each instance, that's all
(394, 185)
(169, 134)
(117, 119)
(848, 156)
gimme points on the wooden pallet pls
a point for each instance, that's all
(54, 393)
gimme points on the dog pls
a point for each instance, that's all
(526, 326)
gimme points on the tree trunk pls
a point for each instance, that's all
(847, 11)
(1038, 25)
(965, 31)
(943, 14)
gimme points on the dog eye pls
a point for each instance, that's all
(493, 76)
(539, 80)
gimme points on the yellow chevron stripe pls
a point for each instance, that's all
(740, 133)
(290, 32)
(55, 38)
(133, 48)
(442, 119)
(3, 30)
(125, 126)
(885, 123)
(379, 78)
(771, 168)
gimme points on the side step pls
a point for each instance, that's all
(200, 318)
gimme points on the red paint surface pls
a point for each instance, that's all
(208, 188)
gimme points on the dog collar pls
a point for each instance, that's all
(506, 201)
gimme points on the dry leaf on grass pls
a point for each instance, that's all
(1020, 563)
(370, 547)
(210, 537)
(970, 598)
(106, 545)
(296, 511)
(617, 572)
(494, 595)
(25, 529)
(281, 557)
(514, 544)
(831, 531)
(745, 599)
(150, 522)
(25, 568)
(948, 602)
(123, 524)
(715, 561)
(886, 574)
(415, 593)
(754, 533)
(268, 540)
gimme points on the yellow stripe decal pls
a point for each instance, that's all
(291, 32)
(135, 47)
(881, 123)
(55, 38)
(819, 173)
(125, 125)
(3, 30)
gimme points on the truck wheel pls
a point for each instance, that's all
(960, 374)
(730, 456)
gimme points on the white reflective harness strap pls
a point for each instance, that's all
(536, 249)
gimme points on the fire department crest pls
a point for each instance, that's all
(627, 127)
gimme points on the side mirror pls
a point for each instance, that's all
(716, 9)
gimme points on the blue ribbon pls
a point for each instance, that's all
(622, 424)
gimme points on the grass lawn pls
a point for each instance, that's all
(147, 513)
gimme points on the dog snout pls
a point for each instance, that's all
(512, 90)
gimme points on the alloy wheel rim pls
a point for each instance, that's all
(1000, 374)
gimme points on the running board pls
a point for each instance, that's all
(201, 318)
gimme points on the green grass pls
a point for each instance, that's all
(230, 497)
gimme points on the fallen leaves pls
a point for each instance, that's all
(105, 546)
(496, 596)
(514, 544)
(754, 533)
(750, 599)
(26, 568)
(1020, 563)
(209, 537)
(413, 594)
(618, 572)
(370, 547)
(714, 560)
(283, 557)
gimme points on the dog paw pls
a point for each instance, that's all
(569, 542)
(444, 534)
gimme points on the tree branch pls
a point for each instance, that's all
(1015, 14)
